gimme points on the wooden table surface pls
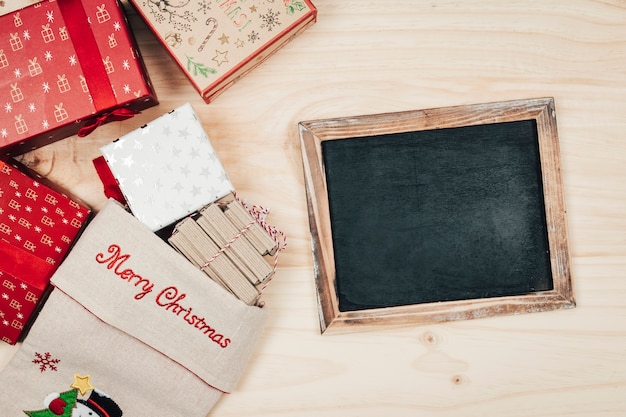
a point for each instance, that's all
(365, 57)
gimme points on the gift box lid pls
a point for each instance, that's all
(216, 42)
(62, 65)
(167, 169)
(36, 218)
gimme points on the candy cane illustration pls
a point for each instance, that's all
(210, 21)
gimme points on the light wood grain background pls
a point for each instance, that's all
(366, 57)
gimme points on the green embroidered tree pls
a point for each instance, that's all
(199, 68)
(60, 406)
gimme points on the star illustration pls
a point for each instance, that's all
(223, 39)
(253, 9)
(220, 57)
(82, 384)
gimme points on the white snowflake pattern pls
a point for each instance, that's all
(8, 107)
(5, 322)
(126, 65)
(19, 316)
(65, 221)
(117, 26)
(48, 56)
(18, 194)
(126, 88)
(18, 238)
(23, 286)
(12, 217)
(72, 60)
(4, 133)
(57, 249)
(37, 229)
(50, 16)
(17, 73)
(32, 108)
(5, 296)
(26, 35)
(79, 214)
(44, 209)
(29, 209)
(45, 124)
(46, 87)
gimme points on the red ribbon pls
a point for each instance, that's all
(25, 266)
(113, 116)
(88, 53)
(111, 188)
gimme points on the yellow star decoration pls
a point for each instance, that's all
(223, 39)
(82, 384)
(253, 9)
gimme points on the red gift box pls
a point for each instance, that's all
(65, 68)
(38, 225)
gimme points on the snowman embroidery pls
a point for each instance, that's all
(81, 401)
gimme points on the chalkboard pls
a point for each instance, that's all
(456, 207)
(437, 215)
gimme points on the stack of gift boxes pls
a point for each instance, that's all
(69, 66)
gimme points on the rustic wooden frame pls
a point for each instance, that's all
(313, 133)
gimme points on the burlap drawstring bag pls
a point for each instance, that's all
(131, 328)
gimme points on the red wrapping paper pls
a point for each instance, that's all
(65, 65)
(38, 225)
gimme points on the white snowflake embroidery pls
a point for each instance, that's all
(4, 133)
(46, 87)
(8, 107)
(5, 322)
(57, 249)
(23, 286)
(72, 60)
(126, 88)
(44, 209)
(18, 238)
(12, 218)
(65, 221)
(79, 214)
(29, 209)
(32, 108)
(17, 73)
(20, 316)
(126, 65)
(35, 184)
(48, 55)
(50, 16)
(26, 35)
(117, 26)
(37, 229)
(5, 296)
(45, 124)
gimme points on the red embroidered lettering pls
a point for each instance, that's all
(169, 298)
(115, 262)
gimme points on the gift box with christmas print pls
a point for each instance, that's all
(216, 42)
(65, 68)
(38, 225)
(167, 169)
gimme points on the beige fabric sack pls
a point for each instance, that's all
(131, 327)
